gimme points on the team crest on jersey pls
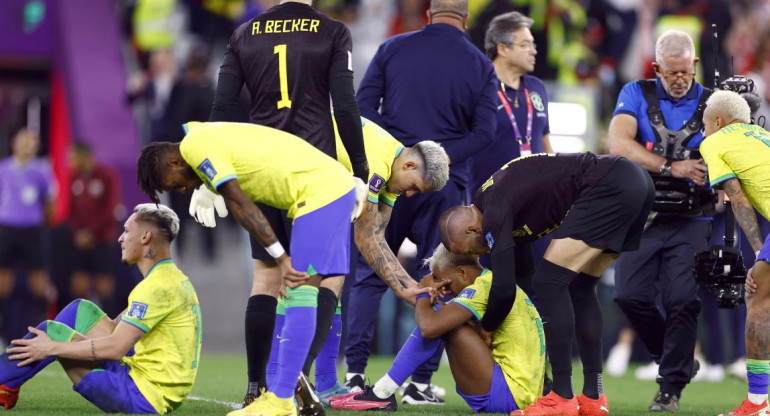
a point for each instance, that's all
(467, 294)
(490, 240)
(537, 101)
(137, 310)
(207, 169)
(376, 183)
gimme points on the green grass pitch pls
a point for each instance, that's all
(221, 381)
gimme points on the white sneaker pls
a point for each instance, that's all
(437, 391)
(704, 369)
(617, 360)
(715, 373)
(738, 369)
(647, 372)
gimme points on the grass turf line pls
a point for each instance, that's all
(222, 378)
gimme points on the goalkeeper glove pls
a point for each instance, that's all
(203, 204)
(361, 192)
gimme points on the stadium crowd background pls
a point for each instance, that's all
(120, 74)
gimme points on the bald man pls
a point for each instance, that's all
(596, 207)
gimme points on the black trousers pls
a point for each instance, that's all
(655, 288)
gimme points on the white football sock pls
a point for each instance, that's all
(757, 398)
(385, 387)
(348, 376)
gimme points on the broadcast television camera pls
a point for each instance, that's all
(720, 269)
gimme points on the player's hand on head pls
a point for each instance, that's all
(204, 204)
(30, 350)
(291, 277)
(409, 294)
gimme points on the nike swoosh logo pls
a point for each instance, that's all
(284, 339)
(359, 403)
(604, 408)
(339, 334)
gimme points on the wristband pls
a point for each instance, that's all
(275, 250)
(423, 296)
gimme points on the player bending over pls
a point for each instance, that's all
(493, 376)
(144, 361)
(247, 163)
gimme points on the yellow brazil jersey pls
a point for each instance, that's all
(165, 306)
(381, 150)
(272, 167)
(741, 151)
(518, 344)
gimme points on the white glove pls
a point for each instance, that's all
(203, 204)
(361, 193)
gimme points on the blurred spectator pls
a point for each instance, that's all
(153, 88)
(25, 207)
(153, 27)
(412, 15)
(95, 196)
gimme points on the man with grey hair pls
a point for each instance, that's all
(522, 111)
(738, 157)
(162, 325)
(434, 84)
(497, 375)
(657, 124)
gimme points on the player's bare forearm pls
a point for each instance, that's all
(370, 240)
(744, 212)
(434, 324)
(246, 213)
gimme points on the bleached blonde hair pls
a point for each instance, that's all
(435, 162)
(730, 105)
(674, 43)
(442, 258)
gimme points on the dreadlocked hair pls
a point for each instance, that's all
(148, 169)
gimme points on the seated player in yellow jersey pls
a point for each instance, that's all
(500, 377)
(144, 361)
(393, 170)
(738, 157)
(247, 163)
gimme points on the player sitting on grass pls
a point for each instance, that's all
(247, 163)
(162, 325)
(507, 377)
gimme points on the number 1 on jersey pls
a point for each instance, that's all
(284, 102)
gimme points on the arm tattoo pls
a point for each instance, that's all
(256, 223)
(247, 214)
(744, 212)
(370, 231)
(93, 351)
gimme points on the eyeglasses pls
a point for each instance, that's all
(527, 46)
(672, 76)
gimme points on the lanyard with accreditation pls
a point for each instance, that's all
(525, 146)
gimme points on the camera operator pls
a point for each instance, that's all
(738, 158)
(657, 124)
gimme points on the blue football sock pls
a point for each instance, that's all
(80, 314)
(296, 337)
(13, 376)
(272, 363)
(326, 362)
(415, 351)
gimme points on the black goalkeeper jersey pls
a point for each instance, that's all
(286, 56)
(530, 196)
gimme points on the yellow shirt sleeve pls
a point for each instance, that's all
(148, 305)
(209, 161)
(712, 153)
(474, 298)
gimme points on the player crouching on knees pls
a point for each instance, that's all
(144, 361)
(496, 375)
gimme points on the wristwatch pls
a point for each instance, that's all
(665, 170)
